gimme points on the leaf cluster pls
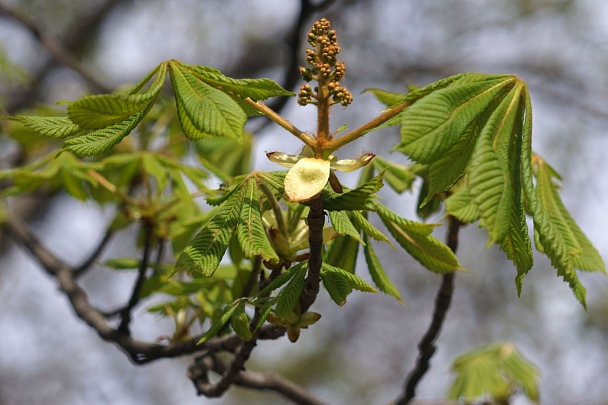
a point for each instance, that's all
(472, 133)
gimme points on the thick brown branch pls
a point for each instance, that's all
(316, 221)
(426, 347)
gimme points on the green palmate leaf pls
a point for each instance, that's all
(203, 110)
(240, 322)
(358, 199)
(559, 236)
(100, 111)
(206, 250)
(343, 226)
(290, 294)
(368, 229)
(442, 127)
(340, 283)
(417, 240)
(461, 205)
(100, 141)
(220, 323)
(251, 233)
(54, 127)
(376, 270)
(342, 253)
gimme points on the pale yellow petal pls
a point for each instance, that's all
(284, 159)
(349, 165)
(306, 179)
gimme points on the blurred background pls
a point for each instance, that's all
(359, 353)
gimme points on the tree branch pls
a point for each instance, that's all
(140, 352)
(198, 373)
(427, 347)
(316, 221)
(125, 314)
(88, 262)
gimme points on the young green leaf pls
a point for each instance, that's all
(290, 294)
(435, 123)
(388, 98)
(255, 89)
(559, 236)
(492, 179)
(343, 226)
(342, 253)
(54, 127)
(358, 199)
(368, 229)
(154, 168)
(222, 320)
(251, 233)
(101, 111)
(204, 111)
(98, 142)
(399, 177)
(226, 157)
(417, 240)
(340, 283)
(206, 250)
(377, 272)
(460, 204)
(240, 322)
(497, 370)
(282, 278)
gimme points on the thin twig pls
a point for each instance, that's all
(199, 369)
(148, 230)
(255, 272)
(267, 111)
(316, 221)
(88, 262)
(363, 129)
(427, 347)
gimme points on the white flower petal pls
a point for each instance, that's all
(284, 159)
(306, 179)
(349, 165)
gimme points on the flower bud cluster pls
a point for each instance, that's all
(324, 66)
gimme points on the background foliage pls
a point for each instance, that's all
(542, 42)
